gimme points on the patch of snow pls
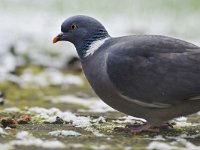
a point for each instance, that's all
(178, 143)
(183, 136)
(99, 120)
(188, 145)
(23, 135)
(39, 143)
(49, 77)
(101, 147)
(64, 133)
(155, 145)
(7, 63)
(26, 139)
(128, 148)
(2, 131)
(10, 77)
(40, 110)
(158, 138)
(81, 121)
(190, 136)
(12, 109)
(129, 119)
(53, 144)
(51, 119)
(182, 121)
(94, 104)
(51, 114)
(76, 145)
(95, 132)
(198, 113)
(8, 128)
(6, 147)
(73, 80)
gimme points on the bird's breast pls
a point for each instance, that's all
(96, 74)
(95, 71)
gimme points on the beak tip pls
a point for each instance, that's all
(55, 40)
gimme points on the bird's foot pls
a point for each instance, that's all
(140, 128)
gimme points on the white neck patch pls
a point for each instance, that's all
(95, 45)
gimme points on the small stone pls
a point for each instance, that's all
(59, 120)
(9, 122)
(24, 119)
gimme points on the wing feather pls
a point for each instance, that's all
(159, 73)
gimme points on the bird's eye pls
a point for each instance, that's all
(74, 26)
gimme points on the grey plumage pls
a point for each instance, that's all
(148, 76)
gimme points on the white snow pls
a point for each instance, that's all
(27, 139)
(23, 135)
(185, 136)
(95, 131)
(64, 133)
(100, 147)
(76, 146)
(50, 116)
(6, 147)
(2, 131)
(50, 77)
(182, 121)
(101, 119)
(12, 109)
(8, 128)
(94, 104)
(155, 145)
(7, 63)
(178, 143)
(45, 78)
(158, 138)
(129, 119)
(188, 145)
(81, 121)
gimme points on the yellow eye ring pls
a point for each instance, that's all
(74, 26)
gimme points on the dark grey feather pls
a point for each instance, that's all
(154, 69)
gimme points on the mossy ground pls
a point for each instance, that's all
(27, 97)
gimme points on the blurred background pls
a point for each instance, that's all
(27, 27)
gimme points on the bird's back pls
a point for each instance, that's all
(154, 68)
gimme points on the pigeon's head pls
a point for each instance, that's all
(81, 31)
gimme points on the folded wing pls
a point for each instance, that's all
(154, 71)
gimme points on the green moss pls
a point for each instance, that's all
(31, 68)
(29, 96)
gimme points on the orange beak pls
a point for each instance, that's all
(55, 39)
(59, 37)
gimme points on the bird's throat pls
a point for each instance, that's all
(90, 45)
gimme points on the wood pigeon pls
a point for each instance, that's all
(148, 76)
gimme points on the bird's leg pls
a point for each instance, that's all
(139, 128)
